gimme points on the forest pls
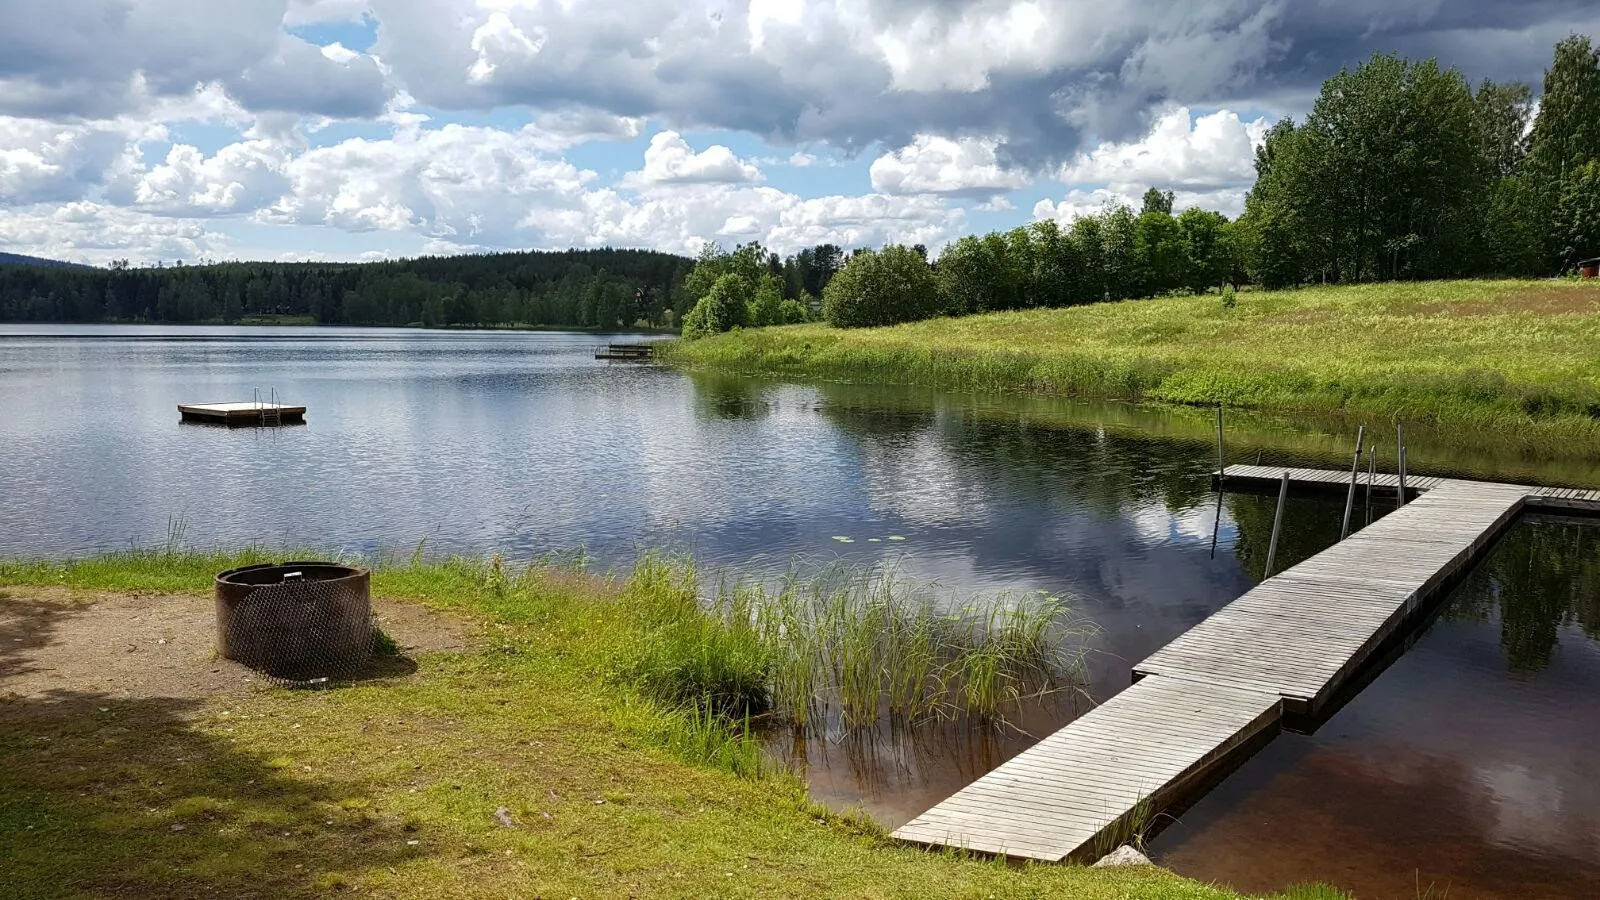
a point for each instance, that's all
(574, 289)
(597, 289)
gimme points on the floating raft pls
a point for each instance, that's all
(628, 352)
(1287, 646)
(246, 413)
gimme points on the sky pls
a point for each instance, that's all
(363, 129)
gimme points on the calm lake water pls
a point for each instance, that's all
(1467, 763)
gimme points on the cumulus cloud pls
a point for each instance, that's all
(43, 161)
(1207, 161)
(670, 160)
(1079, 202)
(1182, 151)
(98, 233)
(453, 182)
(936, 165)
(241, 177)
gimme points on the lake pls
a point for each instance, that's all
(1465, 764)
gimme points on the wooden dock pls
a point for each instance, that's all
(1140, 748)
(245, 413)
(1286, 646)
(627, 352)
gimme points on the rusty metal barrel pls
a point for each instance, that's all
(296, 621)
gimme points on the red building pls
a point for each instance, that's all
(1589, 268)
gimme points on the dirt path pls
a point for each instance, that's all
(137, 645)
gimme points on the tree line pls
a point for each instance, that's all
(601, 289)
(1402, 170)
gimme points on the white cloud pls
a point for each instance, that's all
(1181, 151)
(1078, 203)
(241, 177)
(933, 50)
(339, 53)
(938, 165)
(498, 38)
(43, 161)
(670, 160)
(453, 182)
(98, 233)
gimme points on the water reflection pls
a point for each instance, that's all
(1468, 764)
(1542, 582)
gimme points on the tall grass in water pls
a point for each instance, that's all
(846, 645)
(860, 645)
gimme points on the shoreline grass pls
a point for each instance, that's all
(533, 763)
(1519, 359)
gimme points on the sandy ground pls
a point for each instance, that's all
(138, 645)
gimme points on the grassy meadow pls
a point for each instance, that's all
(1516, 359)
(570, 750)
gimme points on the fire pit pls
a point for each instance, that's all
(296, 621)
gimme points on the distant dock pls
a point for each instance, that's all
(627, 352)
(244, 413)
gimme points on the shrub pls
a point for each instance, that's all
(725, 306)
(891, 285)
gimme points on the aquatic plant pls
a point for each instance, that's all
(861, 644)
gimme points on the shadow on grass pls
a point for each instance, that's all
(148, 797)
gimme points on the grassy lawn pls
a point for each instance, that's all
(528, 764)
(1515, 358)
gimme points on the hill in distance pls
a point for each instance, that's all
(17, 259)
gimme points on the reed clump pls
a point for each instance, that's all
(857, 646)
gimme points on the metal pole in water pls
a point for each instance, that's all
(1222, 463)
(1372, 470)
(1216, 525)
(1400, 465)
(1350, 498)
(1404, 497)
(1277, 524)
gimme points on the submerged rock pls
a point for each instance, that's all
(1123, 856)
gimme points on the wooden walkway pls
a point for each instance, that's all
(1265, 477)
(1288, 645)
(1141, 747)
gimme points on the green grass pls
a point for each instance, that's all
(1514, 358)
(394, 787)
